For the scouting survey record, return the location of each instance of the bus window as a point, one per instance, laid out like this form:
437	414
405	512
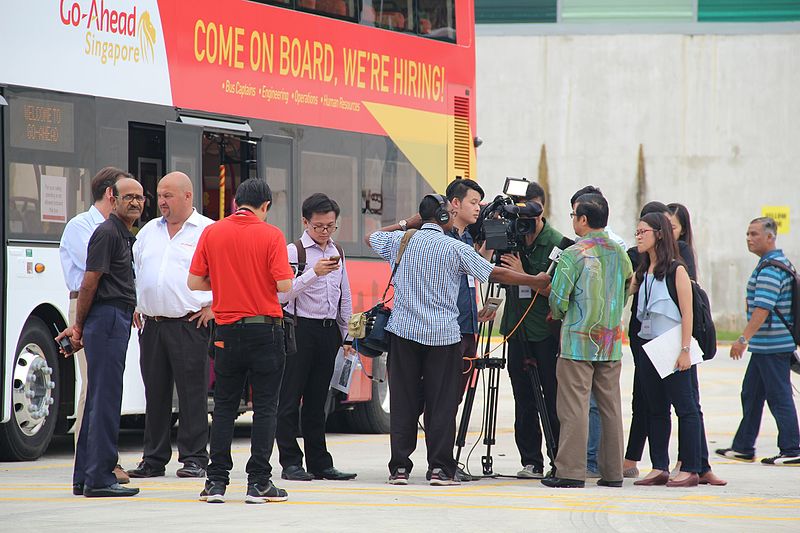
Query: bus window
329	162
392	187
437	19
42	198
337	8
397	15
49	143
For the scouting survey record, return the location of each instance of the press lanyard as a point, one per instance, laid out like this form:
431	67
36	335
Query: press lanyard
647	293
646	327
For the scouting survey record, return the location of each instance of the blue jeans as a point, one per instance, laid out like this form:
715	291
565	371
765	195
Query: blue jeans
594	435
767	378
105	335
254	352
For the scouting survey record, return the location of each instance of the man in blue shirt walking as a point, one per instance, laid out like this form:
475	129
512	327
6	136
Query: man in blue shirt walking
771	346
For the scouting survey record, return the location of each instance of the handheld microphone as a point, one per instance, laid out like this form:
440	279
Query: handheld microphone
555	253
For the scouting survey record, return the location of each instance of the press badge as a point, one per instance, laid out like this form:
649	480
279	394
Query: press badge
471	281
647	327
524	291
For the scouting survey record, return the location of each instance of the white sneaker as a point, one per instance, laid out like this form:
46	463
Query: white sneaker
531	472
782	460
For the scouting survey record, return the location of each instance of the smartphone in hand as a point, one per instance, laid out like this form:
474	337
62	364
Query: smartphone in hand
334	258
492	304
66	345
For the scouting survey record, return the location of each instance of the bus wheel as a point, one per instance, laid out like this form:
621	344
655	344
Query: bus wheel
34	395
373	416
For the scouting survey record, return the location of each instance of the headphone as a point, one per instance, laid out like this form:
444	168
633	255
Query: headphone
442	215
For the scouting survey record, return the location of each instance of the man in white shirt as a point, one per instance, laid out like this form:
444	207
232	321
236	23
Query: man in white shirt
174	332
74	242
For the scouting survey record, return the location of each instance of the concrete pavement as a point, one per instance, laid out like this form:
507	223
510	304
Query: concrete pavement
37	495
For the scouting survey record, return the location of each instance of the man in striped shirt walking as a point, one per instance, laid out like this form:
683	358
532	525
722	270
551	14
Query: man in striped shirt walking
424	349
771	346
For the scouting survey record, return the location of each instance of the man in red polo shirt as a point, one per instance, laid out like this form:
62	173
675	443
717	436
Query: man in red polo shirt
243	260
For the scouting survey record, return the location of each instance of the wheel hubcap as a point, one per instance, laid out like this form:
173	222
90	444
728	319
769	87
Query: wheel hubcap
32	389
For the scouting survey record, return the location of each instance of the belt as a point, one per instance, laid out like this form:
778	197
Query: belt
260	319
183	318
73	295
323	322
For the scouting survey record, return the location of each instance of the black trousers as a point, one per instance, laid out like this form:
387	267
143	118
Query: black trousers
105	335
256	352
307	377
680	390
438	370
527	425
175	352
639	418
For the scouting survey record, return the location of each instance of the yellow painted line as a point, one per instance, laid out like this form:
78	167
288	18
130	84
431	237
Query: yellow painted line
455	492
36	467
754	518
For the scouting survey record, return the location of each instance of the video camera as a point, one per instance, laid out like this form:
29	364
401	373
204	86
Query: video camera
504	223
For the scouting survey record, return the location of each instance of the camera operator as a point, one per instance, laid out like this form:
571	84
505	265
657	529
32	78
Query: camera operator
534	343
425	348
465	197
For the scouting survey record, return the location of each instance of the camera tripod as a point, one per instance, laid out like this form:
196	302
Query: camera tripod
494	365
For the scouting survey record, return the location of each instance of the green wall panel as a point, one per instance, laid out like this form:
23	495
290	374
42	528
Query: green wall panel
748	10
627	10
509	11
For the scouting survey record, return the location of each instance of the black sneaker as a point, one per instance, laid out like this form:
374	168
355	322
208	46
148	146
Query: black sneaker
145	470
440	478
213	492
730	453
463	477
782	460
265	492
399	477
191	469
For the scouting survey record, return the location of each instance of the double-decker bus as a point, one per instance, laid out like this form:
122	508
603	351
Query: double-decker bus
369	101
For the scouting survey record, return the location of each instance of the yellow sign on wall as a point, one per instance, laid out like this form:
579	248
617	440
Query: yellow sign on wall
780	213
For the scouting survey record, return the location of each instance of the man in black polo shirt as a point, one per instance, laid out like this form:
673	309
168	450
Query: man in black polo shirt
103	327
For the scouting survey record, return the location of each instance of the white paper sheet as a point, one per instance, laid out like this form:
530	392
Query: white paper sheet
664	350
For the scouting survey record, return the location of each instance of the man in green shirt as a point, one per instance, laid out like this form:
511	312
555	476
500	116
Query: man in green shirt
531	342
588	293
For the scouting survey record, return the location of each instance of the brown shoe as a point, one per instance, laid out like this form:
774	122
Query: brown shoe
709	478
660	479
122	476
692	481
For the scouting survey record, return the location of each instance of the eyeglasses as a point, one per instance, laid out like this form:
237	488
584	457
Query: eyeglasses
641	232
573	215
324	228
131	197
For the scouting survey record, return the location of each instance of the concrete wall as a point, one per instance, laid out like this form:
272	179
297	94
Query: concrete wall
718	116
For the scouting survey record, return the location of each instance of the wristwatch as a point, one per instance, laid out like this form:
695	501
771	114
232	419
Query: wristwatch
685	349
742	340
403	224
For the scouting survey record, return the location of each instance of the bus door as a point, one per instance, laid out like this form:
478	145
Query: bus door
184	154
276	164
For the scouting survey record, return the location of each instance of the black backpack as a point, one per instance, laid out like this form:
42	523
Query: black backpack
703	329
794	328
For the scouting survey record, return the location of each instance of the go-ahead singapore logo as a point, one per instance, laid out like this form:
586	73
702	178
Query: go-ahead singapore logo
112	36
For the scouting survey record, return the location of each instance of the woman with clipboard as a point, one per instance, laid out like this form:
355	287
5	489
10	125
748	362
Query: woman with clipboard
658	313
